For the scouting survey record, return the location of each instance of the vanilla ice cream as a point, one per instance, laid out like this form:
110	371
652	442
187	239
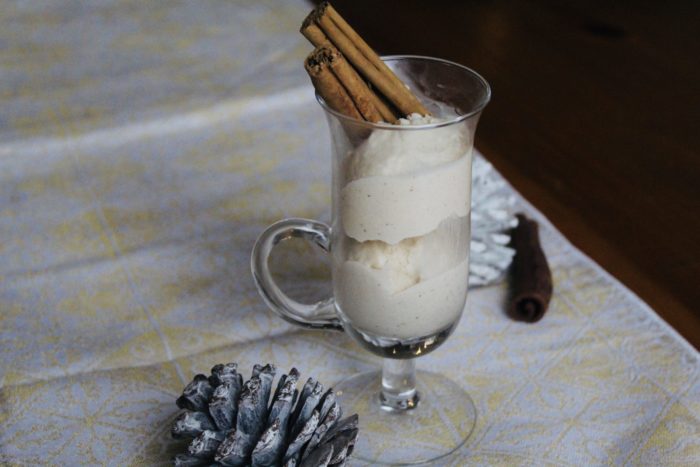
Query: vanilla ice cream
404	207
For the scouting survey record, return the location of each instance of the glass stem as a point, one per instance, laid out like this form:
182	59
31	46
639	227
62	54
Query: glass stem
399	385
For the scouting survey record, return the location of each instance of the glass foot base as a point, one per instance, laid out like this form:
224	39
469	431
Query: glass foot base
440	422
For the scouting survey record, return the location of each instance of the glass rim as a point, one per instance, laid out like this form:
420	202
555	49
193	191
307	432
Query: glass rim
390	126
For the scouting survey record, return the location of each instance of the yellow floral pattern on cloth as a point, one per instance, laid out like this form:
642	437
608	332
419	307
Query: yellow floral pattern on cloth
143	147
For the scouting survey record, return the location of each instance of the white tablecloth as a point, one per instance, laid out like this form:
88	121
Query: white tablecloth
143	146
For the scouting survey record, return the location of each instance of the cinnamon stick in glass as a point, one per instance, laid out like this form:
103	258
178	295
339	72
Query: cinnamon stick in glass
329	87
318	38
325	19
355	87
372	56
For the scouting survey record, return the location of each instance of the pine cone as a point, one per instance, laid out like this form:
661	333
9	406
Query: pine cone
237	424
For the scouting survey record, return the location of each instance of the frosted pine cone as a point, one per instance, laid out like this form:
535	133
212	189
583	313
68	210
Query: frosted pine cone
238	424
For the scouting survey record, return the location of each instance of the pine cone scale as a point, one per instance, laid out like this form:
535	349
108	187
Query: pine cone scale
236	423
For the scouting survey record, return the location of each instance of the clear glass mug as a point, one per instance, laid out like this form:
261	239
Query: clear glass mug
399	246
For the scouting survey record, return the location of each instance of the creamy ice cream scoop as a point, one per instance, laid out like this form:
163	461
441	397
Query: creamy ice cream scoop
402	184
401	152
414	259
405	214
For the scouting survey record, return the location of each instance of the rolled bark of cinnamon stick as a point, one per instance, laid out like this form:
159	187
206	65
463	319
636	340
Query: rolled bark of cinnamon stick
388	115
357	89
312	32
329	87
531	288
317	37
326	20
373	57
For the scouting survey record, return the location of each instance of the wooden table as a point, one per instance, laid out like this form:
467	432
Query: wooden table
595	118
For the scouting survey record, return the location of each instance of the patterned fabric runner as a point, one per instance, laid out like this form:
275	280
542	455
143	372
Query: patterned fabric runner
143	147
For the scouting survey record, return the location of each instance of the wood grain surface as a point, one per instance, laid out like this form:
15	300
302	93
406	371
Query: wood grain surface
595	119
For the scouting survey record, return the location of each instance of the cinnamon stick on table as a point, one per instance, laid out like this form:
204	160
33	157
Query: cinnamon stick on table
324	25
531	277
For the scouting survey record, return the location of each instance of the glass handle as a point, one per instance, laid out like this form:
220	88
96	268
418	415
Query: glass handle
320	315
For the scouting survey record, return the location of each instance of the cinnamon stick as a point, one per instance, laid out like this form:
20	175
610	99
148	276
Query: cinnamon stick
372	56
396	95
350	78
329	87
326	20
388	115
312	32
531	277
356	89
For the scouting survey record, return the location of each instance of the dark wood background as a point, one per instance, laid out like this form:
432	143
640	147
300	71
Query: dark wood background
595	119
